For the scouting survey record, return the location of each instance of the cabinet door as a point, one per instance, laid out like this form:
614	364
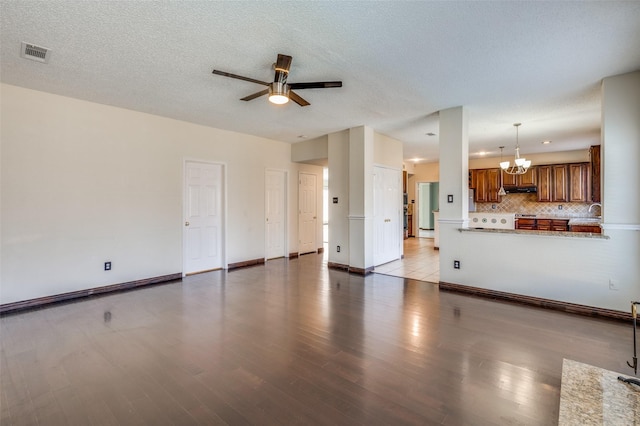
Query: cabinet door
543	224
560	182
579	183
509	180
529	224
594	153
544	183
493	185
529	178
559	225
481	186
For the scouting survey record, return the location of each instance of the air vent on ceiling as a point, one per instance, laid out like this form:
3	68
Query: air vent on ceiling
35	53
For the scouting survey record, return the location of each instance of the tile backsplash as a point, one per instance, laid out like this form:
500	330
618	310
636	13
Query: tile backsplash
528	204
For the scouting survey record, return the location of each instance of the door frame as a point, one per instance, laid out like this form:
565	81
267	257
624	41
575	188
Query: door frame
318	203
286	211
400	213
183	211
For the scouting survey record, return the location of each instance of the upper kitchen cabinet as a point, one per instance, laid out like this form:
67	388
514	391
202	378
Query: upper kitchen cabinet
579	183
544	183
527	179
487	185
594	154
560	182
564	183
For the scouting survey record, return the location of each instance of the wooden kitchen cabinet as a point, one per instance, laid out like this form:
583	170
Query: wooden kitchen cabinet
579	183
526	223
559	183
594	229
509	180
543	224
527	179
594	154
560	225
544	183
487	185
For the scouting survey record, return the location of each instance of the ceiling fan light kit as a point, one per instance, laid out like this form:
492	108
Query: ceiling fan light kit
279	91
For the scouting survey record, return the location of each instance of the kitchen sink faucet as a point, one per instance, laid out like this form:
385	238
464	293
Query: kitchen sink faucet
595	204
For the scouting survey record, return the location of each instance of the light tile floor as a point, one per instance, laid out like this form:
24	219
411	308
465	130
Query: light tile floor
421	262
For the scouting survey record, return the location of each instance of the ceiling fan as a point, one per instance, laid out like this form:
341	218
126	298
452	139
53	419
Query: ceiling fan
279	90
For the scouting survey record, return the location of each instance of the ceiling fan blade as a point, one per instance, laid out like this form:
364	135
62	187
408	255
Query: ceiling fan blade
297	99
239	77
283	63
255	95
315	85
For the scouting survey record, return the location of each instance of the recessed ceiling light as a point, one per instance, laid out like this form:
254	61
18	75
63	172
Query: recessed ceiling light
482	153
430	134
546	142
415	160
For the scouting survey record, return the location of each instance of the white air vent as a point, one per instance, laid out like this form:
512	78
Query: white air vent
35	53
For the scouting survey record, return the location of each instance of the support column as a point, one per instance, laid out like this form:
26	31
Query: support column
454	188
361	200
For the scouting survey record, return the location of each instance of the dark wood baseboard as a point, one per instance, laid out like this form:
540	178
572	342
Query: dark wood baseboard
293	255
361	271
245	263
351	269
57	298
572	308
321	250
340	266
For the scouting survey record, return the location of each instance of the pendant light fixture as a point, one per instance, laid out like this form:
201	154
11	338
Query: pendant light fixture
501	192
521	165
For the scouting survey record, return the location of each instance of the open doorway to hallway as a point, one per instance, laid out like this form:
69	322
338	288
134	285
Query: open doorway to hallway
427	201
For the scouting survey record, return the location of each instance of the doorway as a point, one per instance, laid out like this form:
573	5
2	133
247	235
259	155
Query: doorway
308	212
427	194
275	213
203	231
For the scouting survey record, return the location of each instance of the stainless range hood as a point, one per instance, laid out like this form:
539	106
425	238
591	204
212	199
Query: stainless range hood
521	189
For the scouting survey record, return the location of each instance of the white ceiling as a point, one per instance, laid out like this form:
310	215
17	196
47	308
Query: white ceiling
539	63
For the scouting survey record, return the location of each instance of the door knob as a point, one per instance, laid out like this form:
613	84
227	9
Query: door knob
314	217
186	224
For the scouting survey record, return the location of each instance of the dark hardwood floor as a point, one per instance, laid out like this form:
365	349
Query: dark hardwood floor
291	342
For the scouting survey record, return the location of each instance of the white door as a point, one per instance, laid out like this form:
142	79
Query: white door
275	208
308	213
387	208
203	231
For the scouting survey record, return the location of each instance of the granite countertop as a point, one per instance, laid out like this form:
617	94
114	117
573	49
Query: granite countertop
593	396
545	233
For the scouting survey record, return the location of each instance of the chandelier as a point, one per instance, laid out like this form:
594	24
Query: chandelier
521	165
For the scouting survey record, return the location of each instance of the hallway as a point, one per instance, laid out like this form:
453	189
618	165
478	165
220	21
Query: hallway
421	262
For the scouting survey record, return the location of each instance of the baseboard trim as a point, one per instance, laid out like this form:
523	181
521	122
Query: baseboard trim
245	263
350	269
321	250
340	266
567	307
57	298
361	271
294	255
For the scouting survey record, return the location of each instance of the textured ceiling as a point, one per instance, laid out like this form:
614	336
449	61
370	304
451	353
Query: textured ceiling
539	63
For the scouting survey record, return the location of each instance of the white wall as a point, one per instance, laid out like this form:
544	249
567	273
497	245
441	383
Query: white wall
83	183
387	151
339	187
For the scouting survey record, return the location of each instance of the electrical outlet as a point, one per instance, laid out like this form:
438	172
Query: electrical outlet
614	284
338	249
107	266
456	264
